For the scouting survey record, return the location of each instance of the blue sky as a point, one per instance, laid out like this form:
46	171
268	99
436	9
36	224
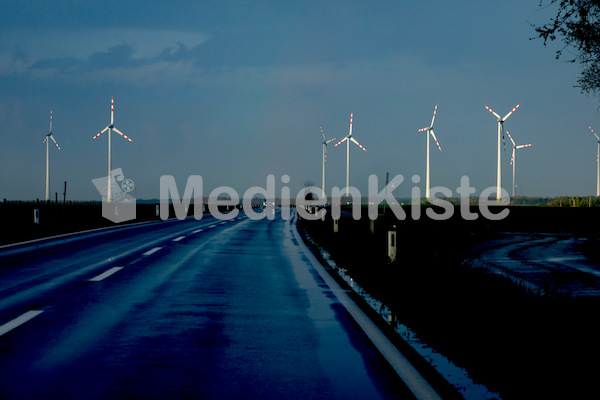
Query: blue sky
234	91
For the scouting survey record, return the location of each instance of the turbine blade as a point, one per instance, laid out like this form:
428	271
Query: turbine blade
323	134
511	139
54	140
351	113
511	111
358	144
424	129
50	121
594	132
112	110
122	134
503	142
46	138
524	145
325	155
492	111
330	140
341	141
436	141
434	111
513	156
101	132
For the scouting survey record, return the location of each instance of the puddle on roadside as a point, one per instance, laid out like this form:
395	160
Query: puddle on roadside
456	376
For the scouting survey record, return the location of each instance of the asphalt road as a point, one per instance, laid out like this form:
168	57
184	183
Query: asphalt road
180	309
551	262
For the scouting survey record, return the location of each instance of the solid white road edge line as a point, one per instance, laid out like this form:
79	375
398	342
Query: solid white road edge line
152	251
105	274
65	235
177	239
9	326
405	370
197	230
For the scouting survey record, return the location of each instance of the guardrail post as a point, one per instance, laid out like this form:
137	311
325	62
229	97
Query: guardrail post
392	244
36	216
336	225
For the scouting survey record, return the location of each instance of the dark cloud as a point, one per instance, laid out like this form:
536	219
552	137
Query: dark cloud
121	56
57	63
116	56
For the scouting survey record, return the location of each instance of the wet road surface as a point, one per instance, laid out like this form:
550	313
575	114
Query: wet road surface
180	309
550	262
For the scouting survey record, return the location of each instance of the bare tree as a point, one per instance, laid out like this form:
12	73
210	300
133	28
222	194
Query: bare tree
308	195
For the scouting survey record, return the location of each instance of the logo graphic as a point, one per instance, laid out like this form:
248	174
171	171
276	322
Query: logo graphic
120	206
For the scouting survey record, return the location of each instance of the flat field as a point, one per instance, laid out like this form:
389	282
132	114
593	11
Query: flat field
521	339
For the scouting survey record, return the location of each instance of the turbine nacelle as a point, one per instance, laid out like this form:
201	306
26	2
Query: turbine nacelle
500	121
349	139
594	133
111	126
49	134
429	129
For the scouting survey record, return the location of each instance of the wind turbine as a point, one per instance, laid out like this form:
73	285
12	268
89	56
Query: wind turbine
49	135
513	160
325	143
429	130
347	139
111	128
597	163
500	130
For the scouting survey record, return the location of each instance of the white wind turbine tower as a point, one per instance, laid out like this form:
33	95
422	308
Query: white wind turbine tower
597	163
325	143
500	129
111	128
513	160
347	139
429	130
49	135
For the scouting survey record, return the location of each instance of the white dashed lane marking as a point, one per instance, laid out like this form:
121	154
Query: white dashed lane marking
105	274
9	326
152	251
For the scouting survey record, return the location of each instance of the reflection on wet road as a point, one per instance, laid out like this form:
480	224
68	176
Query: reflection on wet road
179	309
552	263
